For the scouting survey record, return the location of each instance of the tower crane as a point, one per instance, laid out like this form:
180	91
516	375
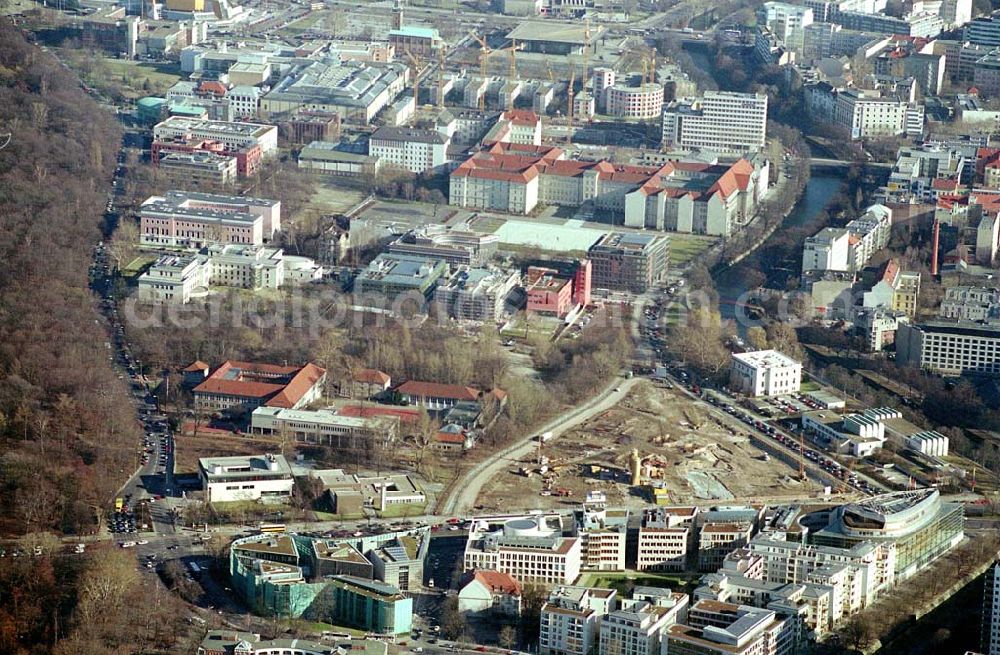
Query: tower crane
415	74
511	50
484	55
440	94
569	105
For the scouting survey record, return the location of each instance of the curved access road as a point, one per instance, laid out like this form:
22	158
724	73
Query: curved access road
467	487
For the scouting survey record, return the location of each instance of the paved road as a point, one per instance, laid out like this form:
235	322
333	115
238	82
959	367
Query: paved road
469	485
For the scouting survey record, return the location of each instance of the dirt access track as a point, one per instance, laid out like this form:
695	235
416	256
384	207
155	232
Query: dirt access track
693	456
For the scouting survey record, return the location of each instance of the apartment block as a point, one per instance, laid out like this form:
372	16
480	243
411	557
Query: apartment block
570	620
675	196
787	22
637	627
717	539
827	250
412	149
970	303
715	628
989	642
721	121
896	290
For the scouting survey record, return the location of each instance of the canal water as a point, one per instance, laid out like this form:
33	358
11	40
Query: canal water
817	195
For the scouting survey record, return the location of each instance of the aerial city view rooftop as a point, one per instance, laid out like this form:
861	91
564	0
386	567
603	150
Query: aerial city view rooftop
552	327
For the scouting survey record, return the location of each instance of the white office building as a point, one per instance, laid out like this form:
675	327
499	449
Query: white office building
175	279
721	121
234	135
666	538
765	373
245	478
787	22
412	149
950	347
529	548
868	114
826	250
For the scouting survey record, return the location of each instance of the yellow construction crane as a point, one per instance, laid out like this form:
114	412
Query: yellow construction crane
415	74
511	51
484	55
649	67
586	61
548	69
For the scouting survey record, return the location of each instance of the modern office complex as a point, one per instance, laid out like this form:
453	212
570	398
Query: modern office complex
628	261
477	294
666	538
270	573
227	479
950	347
920	525
391	277
530	548
324	426
234	136
715	628
722	121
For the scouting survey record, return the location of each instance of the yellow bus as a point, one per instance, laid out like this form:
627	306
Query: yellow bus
119	503
272	527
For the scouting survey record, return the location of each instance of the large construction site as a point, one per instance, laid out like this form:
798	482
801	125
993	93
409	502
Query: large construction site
656	446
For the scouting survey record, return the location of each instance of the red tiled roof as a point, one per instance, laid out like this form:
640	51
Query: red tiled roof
521	117
890	272
238	388
497	582
281	393
299	385
197	365
212	86
437	390
450	437
943	183
371	376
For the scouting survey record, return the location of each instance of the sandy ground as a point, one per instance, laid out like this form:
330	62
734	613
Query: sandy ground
695	458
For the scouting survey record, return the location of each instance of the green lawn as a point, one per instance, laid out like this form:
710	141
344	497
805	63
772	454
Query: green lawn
620	581
402	510
136	75
137	265
810	386
685	247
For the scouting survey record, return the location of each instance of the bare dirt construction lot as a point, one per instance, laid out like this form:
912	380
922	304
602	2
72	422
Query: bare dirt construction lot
684	449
